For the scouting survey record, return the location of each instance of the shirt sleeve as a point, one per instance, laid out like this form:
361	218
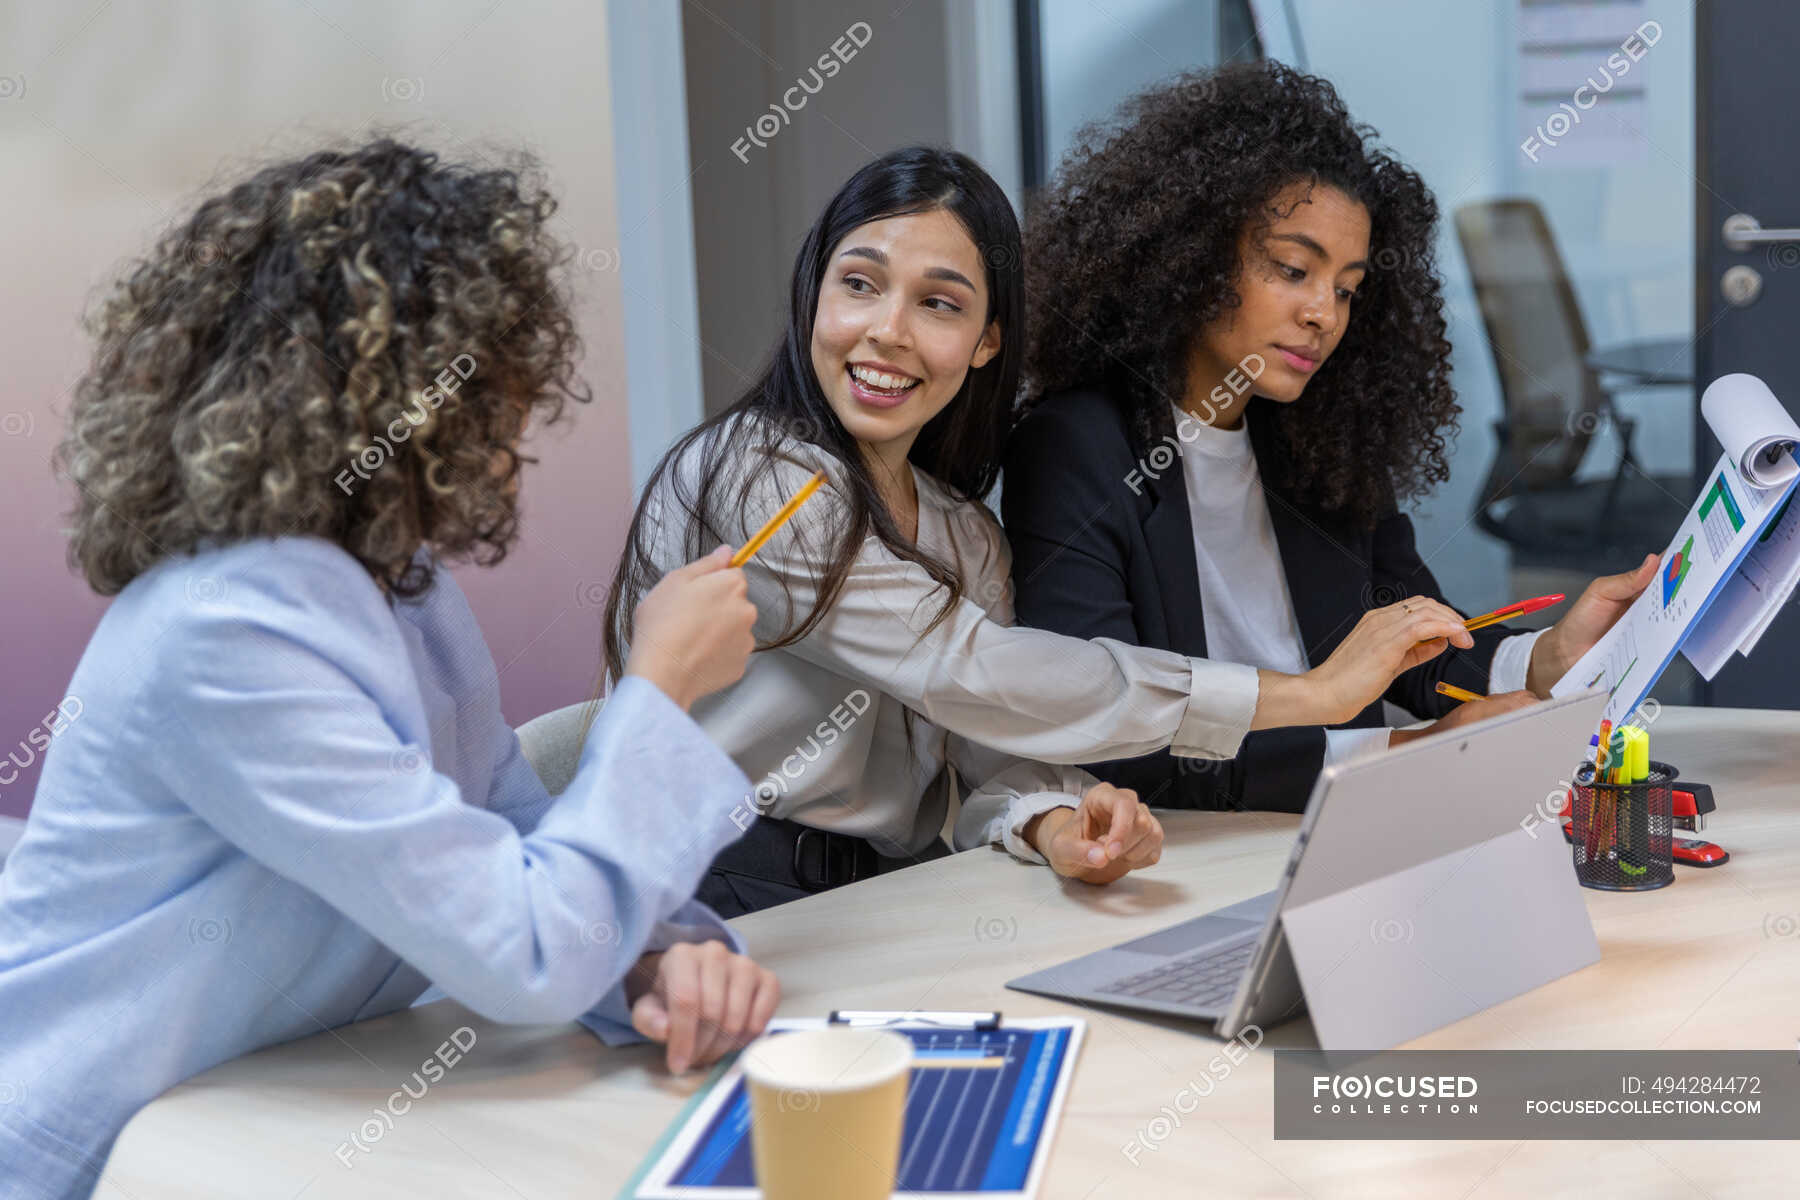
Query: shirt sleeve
1026	692
1009	791
1342	745
263	719
1512	662
520	796
516	792
999	809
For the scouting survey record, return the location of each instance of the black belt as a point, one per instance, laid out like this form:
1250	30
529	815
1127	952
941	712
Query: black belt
812	859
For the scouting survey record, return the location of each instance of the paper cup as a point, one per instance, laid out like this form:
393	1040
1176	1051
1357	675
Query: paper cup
827	1108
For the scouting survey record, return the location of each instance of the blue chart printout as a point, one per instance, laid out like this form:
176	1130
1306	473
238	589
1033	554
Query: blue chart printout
981	1109
1731	565
1720	530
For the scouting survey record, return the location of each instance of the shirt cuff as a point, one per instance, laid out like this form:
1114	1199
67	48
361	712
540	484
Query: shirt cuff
1512	662
1342	745
610	1020
1019	812
1221	704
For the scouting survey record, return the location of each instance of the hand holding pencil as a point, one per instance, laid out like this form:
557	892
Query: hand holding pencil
1471	707
693	629
691	633
1557	648
1595	611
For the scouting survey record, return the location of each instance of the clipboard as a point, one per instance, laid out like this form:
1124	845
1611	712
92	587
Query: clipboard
980	1124
1742	500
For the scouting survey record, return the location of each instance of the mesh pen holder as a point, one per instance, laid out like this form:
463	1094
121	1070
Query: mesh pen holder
1622	831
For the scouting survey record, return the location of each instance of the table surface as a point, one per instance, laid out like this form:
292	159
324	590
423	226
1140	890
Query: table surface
1711	962
1664	360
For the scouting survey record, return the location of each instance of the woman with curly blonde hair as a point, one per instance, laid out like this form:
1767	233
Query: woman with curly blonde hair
290	800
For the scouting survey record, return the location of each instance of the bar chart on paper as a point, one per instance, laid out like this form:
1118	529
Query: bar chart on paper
1719	516
1620	664
1675	571
1714	539
981	1105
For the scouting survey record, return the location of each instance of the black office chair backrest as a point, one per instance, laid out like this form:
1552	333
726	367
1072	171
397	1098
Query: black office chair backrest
1538	338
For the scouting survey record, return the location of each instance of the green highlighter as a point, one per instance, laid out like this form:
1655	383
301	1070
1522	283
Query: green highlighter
1635	769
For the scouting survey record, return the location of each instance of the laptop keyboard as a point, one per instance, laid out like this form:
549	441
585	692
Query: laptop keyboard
1201	979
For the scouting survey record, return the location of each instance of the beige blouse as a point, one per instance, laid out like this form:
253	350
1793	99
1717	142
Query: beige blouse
821	726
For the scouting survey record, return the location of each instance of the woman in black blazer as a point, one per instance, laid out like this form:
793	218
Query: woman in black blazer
1212	449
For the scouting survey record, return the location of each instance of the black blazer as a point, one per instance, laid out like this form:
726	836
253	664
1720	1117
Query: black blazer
1092	557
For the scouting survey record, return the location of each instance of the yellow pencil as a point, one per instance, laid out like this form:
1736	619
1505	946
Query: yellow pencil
1455	693
748	549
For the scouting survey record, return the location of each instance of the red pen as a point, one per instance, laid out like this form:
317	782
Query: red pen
1512	610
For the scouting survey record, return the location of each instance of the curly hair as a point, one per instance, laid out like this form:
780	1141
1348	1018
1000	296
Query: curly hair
346	345
1134	249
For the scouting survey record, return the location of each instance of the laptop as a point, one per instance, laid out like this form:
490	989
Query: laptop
1425	884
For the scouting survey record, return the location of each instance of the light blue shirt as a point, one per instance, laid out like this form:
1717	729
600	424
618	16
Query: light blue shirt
284	805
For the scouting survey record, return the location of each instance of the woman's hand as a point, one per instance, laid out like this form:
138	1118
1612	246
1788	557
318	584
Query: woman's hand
700	998
1466	713
1601	604
1106	835
691	632
1385	643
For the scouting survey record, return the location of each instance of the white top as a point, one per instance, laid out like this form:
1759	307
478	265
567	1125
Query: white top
1245	605
821	727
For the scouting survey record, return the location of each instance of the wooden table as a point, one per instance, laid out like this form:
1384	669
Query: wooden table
1709	963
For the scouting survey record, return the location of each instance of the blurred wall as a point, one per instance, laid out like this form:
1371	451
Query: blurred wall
1439	83
930	71
1097	56
116	119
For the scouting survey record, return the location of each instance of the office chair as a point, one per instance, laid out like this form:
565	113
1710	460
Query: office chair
1553	404
551	743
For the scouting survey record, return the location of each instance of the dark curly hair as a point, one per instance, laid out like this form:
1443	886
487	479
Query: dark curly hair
346	345
1135	247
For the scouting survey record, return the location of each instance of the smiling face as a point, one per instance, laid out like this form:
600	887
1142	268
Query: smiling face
1295	284
901	320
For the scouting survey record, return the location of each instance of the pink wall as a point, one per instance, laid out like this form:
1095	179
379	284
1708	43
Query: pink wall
112	125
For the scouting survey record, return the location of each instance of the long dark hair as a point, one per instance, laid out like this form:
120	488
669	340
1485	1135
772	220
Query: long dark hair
960	447
1137	241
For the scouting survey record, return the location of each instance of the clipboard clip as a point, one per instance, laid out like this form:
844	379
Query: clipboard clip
947	1020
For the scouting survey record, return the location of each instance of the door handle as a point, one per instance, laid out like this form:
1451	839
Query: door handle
1743	231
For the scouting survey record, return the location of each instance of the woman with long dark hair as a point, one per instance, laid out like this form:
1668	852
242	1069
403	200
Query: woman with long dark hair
887	667
1239	316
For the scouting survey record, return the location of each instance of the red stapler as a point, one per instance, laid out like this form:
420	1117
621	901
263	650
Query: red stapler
1689	805
1691	802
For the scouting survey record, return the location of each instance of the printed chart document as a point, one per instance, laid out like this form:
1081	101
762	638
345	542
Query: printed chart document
1746	606
1731	565
981	1108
